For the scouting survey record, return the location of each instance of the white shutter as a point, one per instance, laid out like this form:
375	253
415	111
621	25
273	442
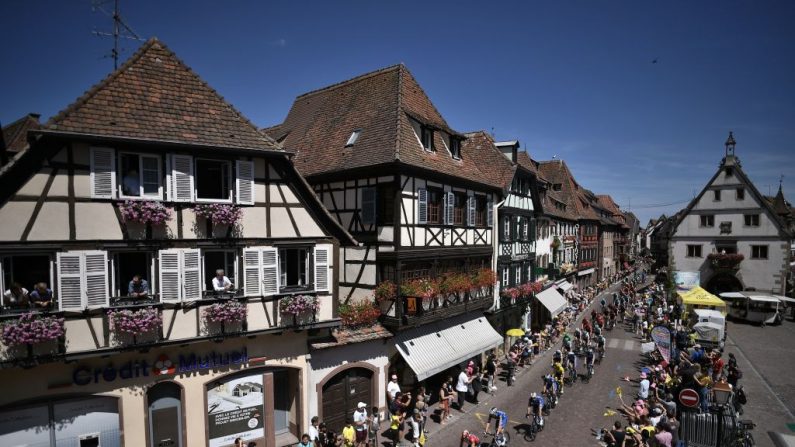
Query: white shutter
70	280
251	271
169	276
368	206
245	182
96	274
103	173
321	269
191	276
490	212
181	178
270	271
449	207
422	206
471	211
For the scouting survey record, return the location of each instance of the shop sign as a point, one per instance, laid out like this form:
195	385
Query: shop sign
235	410
163	365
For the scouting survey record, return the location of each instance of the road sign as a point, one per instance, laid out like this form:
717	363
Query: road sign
689	397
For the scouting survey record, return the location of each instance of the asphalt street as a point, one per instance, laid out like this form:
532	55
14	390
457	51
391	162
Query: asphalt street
580	411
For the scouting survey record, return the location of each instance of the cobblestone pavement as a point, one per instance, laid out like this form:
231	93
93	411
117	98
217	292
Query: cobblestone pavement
766	355
581	408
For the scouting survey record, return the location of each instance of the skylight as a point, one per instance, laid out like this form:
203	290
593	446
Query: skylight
354	136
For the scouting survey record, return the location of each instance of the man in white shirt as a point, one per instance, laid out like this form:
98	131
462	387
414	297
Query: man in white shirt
643	391
221	283
461	388
393	388
360	424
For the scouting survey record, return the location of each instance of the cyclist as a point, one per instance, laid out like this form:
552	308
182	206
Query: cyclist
557	372
499	425
589	358
567	342
469	440
550	387
557	356
535	407
571	365
600	345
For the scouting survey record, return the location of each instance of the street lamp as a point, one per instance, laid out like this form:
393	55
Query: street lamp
722	392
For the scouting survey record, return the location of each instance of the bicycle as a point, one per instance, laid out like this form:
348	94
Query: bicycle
744	438
532	429
572	376
496	441
588	373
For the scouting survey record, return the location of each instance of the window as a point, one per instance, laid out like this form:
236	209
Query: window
140	176
740	194
212	180
386	204
180	275
165	415
506	228
752	220
716	194
693	251
354	136
758	251
505	277
557	187
435	197
225	260
707	220
518	273
293	268
427	138
368	206
480	211
455	148
24	270
129	264
459	208
82	279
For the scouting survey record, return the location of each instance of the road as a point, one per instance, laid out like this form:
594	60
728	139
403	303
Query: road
766	355
581	409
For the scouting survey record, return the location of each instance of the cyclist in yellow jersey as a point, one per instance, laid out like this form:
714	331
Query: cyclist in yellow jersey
557	370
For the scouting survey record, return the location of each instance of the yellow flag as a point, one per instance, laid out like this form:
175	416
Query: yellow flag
609	413
618	390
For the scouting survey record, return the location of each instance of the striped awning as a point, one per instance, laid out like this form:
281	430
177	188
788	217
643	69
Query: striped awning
435	347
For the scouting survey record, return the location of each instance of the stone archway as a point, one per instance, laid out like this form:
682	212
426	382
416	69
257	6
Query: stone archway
724	282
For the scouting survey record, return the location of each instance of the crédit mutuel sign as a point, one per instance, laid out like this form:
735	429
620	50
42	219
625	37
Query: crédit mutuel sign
163	365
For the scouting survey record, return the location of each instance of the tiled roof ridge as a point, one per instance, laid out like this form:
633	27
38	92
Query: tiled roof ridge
399	103
405	70
349	81
150	43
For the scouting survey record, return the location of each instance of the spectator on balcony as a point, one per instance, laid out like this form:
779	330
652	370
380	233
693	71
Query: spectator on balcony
138	287
41	297
17	296
221	283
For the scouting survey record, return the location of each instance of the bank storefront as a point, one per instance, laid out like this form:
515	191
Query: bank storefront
203	394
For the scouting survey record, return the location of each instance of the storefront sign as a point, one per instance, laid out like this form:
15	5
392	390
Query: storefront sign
235	410
163	365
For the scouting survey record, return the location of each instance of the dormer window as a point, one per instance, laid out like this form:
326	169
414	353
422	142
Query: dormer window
455	148
354	136
427	138
557	186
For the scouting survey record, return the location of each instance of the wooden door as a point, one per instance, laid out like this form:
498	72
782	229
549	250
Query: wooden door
342	393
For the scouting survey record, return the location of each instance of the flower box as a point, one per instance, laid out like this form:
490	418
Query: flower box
144	212
359	315
299	308
223	217
32	334
225	317
130	326
725	260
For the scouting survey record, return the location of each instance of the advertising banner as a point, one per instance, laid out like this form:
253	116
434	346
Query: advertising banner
662	338
235	410
687	280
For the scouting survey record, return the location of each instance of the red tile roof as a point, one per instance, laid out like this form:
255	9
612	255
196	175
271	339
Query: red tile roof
557	172
154	96
16	133
607	202
382	105
492	163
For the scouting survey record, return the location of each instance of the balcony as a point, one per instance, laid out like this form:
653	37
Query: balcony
419	310
586	265
725	261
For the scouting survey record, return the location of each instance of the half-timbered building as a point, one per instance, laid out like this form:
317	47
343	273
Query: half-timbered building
389	168
152	176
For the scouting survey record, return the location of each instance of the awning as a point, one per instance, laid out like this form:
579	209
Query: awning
585	272
432	348
552	300
564	285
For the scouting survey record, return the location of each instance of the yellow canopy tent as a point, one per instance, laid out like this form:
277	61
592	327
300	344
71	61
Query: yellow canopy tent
701	299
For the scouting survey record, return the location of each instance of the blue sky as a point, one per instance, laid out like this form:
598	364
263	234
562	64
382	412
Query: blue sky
570	79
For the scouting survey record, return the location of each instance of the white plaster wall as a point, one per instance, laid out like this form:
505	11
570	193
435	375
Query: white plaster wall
13	218
52	223
96	221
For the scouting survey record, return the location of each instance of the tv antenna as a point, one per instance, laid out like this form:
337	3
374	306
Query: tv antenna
120	28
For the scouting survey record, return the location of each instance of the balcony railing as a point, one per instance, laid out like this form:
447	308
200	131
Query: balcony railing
726	261
418	310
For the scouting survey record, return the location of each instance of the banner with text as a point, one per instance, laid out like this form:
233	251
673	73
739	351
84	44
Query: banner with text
687	280
662	338
235	410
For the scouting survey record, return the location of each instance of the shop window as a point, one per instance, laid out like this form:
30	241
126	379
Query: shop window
165	415
225	260
213	180
126	265
293	267
25	270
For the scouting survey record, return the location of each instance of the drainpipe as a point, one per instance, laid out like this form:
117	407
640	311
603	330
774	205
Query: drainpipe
495	245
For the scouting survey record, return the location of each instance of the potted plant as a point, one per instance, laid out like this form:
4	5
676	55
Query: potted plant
222	217
220	317
359	315
32	330
142	215
301	308
725	260
130	325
